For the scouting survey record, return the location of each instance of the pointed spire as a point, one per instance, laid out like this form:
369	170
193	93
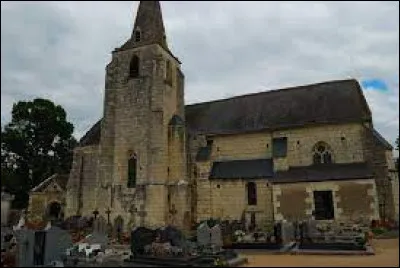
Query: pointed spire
149	25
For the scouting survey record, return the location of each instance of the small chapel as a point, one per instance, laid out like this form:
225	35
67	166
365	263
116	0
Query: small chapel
285	154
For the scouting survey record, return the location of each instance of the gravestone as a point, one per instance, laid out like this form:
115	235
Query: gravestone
42	247
216	236
203	234
287	232
175	236
25	245
99	234
141	237
100	225
311	228
57	242
118	227
278	232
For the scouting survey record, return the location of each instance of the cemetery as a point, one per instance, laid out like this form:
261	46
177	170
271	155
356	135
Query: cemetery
93	242
333	238
280	239
168	247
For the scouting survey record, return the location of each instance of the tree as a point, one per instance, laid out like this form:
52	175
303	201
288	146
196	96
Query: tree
37	143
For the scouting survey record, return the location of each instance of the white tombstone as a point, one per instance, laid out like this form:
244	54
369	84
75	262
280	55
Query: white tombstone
48	226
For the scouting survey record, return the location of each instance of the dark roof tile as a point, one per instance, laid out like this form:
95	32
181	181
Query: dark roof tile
381	140
328	172
330	102
242	169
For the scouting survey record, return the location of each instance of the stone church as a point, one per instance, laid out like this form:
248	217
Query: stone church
292	153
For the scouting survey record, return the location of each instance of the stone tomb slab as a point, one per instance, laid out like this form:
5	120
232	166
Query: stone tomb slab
316	242
284	234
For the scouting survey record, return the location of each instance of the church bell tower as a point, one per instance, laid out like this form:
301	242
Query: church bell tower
142	163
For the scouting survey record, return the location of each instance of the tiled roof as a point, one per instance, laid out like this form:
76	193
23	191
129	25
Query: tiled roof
242	169
326	172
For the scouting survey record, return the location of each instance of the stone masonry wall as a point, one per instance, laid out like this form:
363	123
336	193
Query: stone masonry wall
379	158
300	145
345	141
227	200
136	116
40	201
353	199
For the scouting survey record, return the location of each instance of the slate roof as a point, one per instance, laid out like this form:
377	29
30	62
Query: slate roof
92	137
317	173
60	179
339	101
328	102
242	169
381	140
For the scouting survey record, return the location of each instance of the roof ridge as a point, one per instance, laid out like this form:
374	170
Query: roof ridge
274	91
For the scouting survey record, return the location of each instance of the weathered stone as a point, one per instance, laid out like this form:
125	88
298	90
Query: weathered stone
144	116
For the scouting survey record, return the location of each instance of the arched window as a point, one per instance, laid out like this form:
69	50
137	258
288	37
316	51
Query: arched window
137	35
134	67
251	194
132	171
322	154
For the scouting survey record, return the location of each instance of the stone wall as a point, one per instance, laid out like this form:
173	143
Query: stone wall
39	202
345	141
381	160
395	188
227	200
137	113
82	188
352	199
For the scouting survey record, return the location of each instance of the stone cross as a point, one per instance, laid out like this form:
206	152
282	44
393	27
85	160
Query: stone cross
108	212
95	213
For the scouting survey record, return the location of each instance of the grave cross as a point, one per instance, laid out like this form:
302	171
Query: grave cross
108	212
95	213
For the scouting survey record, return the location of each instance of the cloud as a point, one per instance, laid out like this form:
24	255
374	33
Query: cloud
59	50
374	84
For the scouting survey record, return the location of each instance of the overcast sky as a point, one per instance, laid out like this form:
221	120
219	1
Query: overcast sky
59	50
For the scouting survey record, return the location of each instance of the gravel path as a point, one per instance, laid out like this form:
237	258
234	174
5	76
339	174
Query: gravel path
386	255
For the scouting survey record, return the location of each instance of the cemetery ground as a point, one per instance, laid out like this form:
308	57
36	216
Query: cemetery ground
386	255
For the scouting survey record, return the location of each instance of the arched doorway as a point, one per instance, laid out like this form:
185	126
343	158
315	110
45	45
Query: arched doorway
54	211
